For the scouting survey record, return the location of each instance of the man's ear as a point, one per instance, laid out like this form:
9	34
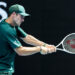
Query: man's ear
13	13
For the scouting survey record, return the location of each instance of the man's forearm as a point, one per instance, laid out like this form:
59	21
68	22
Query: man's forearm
24	51
33	41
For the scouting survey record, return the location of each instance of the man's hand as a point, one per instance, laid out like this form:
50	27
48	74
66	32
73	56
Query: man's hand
52	48
47	49
43	50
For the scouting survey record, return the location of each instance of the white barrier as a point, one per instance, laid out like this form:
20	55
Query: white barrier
3	13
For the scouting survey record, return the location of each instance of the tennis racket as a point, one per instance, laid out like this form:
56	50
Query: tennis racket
68	44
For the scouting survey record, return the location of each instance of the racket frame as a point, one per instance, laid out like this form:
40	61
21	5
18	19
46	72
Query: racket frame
61	43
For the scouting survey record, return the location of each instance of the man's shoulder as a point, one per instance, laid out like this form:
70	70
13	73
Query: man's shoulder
4	24
4	27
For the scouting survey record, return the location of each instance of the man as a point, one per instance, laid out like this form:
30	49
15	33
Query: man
10	45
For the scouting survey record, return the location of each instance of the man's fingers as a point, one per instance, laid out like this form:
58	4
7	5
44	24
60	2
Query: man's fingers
52	49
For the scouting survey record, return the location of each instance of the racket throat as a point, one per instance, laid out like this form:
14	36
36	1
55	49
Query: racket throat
60	49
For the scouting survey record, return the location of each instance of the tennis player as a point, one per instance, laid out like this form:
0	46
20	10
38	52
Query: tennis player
10	31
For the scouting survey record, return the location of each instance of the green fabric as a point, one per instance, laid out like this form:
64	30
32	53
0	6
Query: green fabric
20	32
5	73
18	9
8	42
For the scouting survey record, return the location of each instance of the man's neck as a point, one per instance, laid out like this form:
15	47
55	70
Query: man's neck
9	21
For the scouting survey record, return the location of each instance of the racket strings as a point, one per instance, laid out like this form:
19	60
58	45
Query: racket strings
69	43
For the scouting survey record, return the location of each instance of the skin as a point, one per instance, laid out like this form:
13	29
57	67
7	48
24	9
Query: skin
16	20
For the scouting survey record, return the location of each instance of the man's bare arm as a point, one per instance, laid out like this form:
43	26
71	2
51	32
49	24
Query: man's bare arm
24	51
35	42
29	39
